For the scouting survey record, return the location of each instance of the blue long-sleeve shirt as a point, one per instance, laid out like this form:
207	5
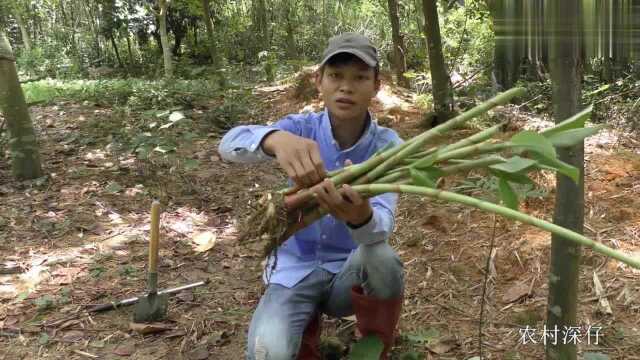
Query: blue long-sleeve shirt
328	242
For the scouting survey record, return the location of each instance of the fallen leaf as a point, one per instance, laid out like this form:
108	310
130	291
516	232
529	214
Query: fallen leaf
443	345
99	344
125	349
199	353
113	188
516	292
435	222
205	241
186	296
11	320
72	336
150	328
68	323
175	333
176	116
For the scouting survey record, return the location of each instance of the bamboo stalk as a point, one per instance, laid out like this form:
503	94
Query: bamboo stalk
376	189
420	140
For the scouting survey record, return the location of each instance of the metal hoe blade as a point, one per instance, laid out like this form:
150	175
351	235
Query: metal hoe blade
152	307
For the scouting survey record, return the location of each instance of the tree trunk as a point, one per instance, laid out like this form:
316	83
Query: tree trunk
26	41
290	29
24	150
210	34
569	208
507	52
115	49
164	38
399	62
441	83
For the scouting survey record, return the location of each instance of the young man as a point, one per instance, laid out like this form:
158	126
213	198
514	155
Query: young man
342	263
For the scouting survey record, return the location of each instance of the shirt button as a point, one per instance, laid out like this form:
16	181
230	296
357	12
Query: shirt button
337	163
324	236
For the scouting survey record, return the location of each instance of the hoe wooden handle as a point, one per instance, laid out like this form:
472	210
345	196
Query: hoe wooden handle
155	237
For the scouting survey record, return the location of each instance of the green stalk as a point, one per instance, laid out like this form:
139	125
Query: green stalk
419	141
473	164
463	152
473	139
376	189
447	170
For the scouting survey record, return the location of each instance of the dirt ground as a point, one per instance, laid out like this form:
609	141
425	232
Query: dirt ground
80	238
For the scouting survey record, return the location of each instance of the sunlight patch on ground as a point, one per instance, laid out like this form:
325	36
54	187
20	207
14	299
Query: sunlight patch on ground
39	264
389	100
95	154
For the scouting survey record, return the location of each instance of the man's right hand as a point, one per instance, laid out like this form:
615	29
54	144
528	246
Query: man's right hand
299	157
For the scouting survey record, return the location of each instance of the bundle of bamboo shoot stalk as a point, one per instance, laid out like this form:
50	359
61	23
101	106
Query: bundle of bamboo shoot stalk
415	167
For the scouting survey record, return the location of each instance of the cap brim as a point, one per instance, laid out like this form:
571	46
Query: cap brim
367	60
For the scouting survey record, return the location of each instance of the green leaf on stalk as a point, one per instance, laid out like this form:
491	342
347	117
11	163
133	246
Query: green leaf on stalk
514	165
369	347
507	195
573	137
422	178
425	162
533	141
555	164
434	173
519	178
574	122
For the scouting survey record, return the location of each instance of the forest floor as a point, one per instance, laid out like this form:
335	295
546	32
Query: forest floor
79	237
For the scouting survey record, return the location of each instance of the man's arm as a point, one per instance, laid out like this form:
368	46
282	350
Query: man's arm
298	156
381	223
242	143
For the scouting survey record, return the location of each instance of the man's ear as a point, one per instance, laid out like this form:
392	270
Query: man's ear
377	84
317	79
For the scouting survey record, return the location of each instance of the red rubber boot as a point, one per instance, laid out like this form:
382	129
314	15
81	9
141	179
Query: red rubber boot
310	344
376	317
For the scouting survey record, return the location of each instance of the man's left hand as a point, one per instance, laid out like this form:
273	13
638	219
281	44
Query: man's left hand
344	203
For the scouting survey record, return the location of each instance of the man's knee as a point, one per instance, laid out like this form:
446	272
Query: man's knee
381	255
384	271
271	343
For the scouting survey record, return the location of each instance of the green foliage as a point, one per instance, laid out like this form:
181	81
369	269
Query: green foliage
96	270
595	356
128	271
422	337
507	195
369	347
44	303
468	39
135	93
487	187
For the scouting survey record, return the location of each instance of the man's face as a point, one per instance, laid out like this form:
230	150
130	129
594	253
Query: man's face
347	89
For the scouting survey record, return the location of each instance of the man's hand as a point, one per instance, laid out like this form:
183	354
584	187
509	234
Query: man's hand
298	157
344	203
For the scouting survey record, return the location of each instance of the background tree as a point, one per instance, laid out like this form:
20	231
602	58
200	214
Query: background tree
24	150
163	6
441	83
399	62
212	45
569	206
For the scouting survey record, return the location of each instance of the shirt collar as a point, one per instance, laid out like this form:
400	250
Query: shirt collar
362	142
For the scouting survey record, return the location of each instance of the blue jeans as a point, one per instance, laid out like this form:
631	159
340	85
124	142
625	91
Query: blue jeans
283	313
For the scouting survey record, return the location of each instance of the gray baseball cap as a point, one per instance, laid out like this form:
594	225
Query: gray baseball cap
352	43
